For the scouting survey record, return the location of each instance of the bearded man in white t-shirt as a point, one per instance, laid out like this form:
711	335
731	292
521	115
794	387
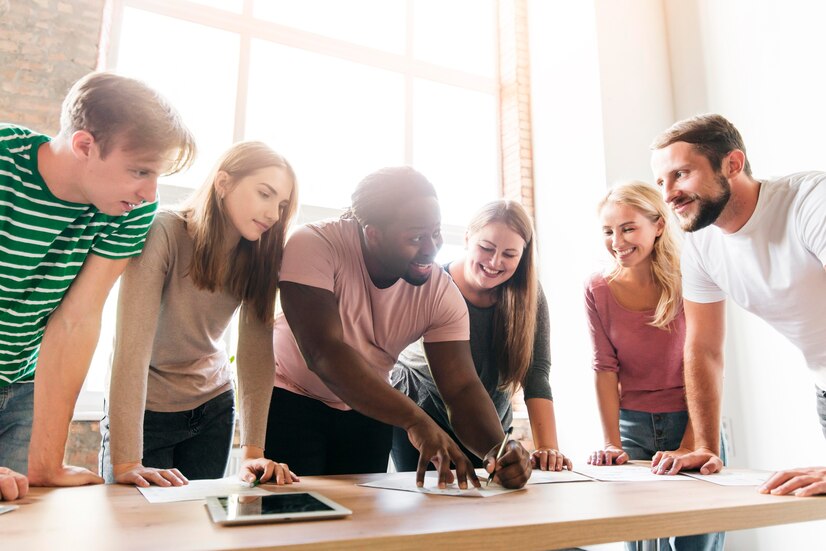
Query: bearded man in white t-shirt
761	243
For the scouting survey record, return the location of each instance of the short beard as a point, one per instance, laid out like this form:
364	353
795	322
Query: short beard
709	209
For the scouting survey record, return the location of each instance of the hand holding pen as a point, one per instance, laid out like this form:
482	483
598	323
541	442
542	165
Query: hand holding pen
512	463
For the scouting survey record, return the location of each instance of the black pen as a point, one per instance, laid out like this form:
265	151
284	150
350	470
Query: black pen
499	454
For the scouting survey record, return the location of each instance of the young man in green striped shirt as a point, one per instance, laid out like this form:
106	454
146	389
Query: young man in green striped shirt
73	210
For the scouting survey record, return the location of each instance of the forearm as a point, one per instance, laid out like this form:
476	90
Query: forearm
543	423
608	401
65	354
474	419
704	388
348	375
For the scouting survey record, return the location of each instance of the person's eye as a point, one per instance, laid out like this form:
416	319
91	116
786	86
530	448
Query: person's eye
486	249
607	233
437	234
628	230
680	173
416	239
140	173
264	194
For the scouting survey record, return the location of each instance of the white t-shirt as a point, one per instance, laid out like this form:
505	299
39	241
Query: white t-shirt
773	266
377	323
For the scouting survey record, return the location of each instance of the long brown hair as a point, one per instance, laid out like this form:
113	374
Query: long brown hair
250	273
665	258
514	318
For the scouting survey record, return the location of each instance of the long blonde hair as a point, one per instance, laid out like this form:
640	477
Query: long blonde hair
514	319
251	271
665	258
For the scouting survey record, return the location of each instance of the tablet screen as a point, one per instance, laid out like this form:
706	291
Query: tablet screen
279	504
278	507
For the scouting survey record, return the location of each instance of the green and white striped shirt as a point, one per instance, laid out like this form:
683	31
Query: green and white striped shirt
43	244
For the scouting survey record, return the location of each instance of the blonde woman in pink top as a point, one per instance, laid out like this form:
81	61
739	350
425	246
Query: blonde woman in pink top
637	326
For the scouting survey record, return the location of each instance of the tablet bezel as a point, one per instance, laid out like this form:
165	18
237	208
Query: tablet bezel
219	514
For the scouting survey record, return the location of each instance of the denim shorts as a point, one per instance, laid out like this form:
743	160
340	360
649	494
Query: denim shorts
16	413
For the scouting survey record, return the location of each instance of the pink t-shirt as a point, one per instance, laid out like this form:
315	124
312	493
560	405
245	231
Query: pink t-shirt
648	360
378	323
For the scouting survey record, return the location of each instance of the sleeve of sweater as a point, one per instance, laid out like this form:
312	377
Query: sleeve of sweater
139	304
537	379
256	371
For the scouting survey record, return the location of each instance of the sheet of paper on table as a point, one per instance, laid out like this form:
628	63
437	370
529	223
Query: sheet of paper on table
406	482
733	477
200	489
626	473
552	477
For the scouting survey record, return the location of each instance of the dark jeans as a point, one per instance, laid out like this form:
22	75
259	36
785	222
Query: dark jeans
197	442
315	439
406	457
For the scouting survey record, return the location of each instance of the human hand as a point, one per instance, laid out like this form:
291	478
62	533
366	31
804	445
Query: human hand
513	469
549	459
436	447
684	459
266	470
13	485
804	482
610	455
135	473
65	475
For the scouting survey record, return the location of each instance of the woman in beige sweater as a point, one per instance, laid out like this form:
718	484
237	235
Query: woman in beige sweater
172	397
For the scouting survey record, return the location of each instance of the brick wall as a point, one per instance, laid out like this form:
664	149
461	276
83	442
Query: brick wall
45	45
516	134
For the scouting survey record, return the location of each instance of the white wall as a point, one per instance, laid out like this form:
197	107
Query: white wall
607	77
759	63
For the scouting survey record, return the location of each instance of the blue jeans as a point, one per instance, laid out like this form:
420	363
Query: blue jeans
16	413
197	442
644	434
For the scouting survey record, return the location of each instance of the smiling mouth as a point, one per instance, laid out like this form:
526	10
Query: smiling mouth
489	272
622	253
261	225
129	206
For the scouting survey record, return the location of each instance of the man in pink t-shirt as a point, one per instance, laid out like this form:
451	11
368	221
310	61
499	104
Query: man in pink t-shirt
355	292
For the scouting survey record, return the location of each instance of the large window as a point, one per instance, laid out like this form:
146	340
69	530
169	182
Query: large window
340	87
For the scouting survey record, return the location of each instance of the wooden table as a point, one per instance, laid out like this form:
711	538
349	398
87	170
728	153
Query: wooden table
545	516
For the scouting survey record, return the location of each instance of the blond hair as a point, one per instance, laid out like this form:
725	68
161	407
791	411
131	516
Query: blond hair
665	258
116	109
251	271
514	319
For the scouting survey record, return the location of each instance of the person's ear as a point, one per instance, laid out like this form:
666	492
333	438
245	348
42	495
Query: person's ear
82	144
467	238
221	183
372	234
734	163
660	226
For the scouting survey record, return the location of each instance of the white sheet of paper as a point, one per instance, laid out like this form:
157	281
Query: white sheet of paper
626	473
200	489
406	482
551	477
734	477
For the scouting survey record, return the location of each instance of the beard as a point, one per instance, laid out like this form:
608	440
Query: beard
708	208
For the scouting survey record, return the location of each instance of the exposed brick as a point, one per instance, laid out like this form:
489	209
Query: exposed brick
45	46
